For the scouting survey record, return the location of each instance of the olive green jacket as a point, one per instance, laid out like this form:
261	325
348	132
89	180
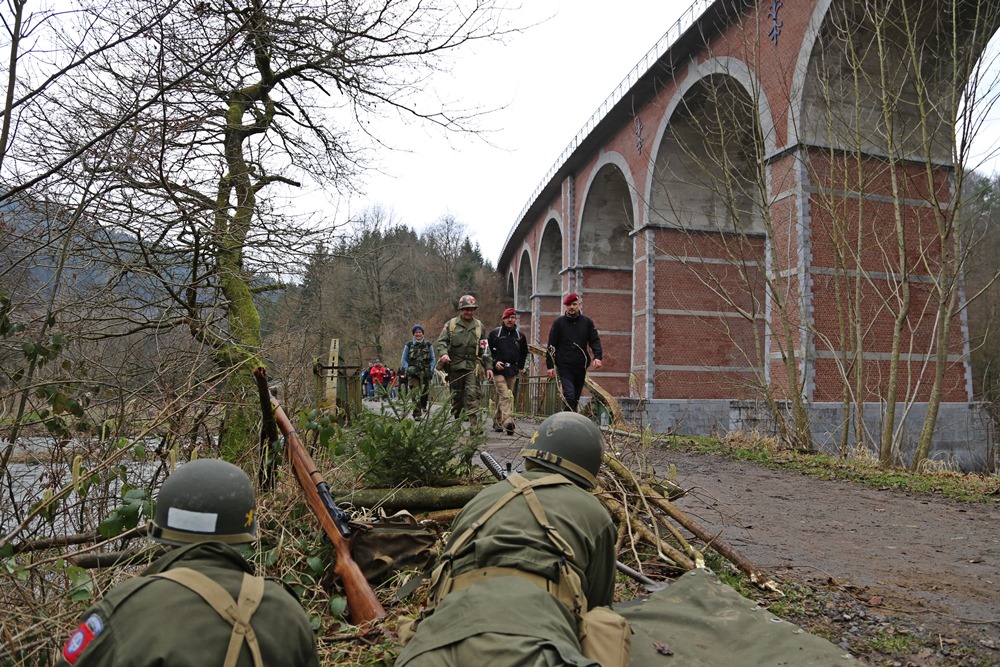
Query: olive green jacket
152	621
463	345
513	538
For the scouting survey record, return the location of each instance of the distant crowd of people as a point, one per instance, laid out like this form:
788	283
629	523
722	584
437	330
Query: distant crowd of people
466	353
377	380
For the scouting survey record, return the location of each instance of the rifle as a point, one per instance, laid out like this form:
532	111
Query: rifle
498	471
362	603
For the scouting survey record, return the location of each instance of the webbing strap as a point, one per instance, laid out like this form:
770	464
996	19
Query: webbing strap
238	614
562	591
528	492
520	486
453	322
568	589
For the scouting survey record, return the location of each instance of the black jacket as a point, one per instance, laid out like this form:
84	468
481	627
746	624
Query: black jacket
569	338
509	346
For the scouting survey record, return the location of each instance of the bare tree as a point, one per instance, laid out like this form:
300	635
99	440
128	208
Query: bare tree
204	114
908	89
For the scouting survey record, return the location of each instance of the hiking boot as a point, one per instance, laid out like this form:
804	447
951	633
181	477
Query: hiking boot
510	428
497	427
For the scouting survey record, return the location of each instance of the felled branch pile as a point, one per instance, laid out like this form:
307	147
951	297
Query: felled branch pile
646	516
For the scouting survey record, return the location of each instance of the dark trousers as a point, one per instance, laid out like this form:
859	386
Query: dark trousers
423	385
571	380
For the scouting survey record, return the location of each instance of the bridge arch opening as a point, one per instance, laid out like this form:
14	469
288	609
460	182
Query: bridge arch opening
525	289
550	259
890	86
607	221
707	174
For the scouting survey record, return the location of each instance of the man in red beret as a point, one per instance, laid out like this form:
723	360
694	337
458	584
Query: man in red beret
509	349
570	336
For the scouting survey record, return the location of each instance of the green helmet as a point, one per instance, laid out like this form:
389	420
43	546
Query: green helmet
570	444
203	501
467	301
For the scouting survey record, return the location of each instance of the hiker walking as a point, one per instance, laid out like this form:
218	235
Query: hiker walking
570	336
417	365
509	349
378	375
462	350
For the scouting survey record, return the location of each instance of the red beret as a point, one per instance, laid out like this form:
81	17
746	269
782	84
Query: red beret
509	312
570	298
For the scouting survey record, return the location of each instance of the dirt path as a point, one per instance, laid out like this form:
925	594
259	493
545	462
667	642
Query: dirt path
926	562
922	554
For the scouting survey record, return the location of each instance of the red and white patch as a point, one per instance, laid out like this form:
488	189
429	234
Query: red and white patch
82	637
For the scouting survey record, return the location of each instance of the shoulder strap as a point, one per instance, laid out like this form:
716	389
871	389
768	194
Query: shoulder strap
238	614
441	579
453	322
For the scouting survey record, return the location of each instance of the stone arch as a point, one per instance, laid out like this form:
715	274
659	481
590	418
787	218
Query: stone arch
706	220
510	293
607	217
550	258
525	287
708	150
838	94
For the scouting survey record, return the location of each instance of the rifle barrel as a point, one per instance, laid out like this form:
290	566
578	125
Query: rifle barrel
492	465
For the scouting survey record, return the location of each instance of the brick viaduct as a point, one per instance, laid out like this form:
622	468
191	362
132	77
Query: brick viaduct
748	213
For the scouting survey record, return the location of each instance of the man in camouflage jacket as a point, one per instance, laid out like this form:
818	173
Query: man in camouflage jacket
462	349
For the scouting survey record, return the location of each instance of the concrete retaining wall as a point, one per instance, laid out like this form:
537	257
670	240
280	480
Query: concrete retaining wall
964	434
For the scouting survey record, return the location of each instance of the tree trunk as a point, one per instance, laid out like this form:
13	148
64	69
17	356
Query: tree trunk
421	499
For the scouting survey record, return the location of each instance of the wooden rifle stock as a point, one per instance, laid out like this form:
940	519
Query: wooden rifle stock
362	602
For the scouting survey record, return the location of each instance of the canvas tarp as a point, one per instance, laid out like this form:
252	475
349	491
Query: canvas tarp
705	623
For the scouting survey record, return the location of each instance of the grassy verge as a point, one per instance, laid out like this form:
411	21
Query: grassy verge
958	486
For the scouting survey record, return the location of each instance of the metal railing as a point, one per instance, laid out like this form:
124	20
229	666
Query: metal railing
534	396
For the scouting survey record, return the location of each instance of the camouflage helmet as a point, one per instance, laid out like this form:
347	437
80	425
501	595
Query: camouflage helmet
205	500
467	301
570	444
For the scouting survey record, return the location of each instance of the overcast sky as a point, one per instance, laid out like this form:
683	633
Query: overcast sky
550	79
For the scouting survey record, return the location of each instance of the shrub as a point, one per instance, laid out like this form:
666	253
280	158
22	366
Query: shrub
391	449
